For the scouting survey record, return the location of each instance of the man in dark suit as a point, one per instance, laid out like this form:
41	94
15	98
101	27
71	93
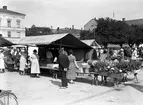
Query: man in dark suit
63	66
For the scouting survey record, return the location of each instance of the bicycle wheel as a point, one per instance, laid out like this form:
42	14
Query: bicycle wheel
1	103
8	98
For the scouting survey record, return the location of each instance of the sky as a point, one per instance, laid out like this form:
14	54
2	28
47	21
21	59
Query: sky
65	13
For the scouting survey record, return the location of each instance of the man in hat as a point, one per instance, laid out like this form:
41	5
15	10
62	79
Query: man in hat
63	65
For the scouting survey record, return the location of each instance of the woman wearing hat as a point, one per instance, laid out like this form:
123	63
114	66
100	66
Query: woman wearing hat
35	69
2	67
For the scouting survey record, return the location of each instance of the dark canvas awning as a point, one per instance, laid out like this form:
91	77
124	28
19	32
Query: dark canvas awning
4	42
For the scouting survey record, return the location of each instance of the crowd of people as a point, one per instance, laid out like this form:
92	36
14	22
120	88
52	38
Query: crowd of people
18	59
67	61
29	65
135	52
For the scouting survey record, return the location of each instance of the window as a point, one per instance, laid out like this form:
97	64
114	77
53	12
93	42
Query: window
9	34
8	23
18	34
18	23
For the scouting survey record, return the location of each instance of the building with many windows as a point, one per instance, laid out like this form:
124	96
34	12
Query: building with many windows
11	23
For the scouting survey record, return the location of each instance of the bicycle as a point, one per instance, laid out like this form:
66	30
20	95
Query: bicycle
8	98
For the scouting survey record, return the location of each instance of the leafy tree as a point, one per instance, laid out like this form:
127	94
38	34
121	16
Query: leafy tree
116	32
111	31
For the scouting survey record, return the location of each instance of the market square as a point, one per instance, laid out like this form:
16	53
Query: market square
75	52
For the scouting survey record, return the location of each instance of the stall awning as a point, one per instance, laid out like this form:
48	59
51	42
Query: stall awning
66	39
4	42
13	40
91	42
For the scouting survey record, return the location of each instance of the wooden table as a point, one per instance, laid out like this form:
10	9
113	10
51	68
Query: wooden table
50	67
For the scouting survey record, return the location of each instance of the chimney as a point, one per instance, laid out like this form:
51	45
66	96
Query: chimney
4	7
51	27
72	26
123	19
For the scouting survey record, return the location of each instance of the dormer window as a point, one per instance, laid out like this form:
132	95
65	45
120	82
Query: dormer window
18	23
8	22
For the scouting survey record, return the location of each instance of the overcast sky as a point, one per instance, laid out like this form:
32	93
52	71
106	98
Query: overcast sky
65	13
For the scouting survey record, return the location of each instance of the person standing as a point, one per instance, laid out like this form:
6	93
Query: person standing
103	56
71	72
35	69
2	67
22	64
49	56
134	54
63	65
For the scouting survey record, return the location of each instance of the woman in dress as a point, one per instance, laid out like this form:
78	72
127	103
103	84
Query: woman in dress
134	54
22	64
2	67
35	69
71	73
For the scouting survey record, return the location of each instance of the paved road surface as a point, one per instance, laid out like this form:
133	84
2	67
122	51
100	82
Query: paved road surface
46	91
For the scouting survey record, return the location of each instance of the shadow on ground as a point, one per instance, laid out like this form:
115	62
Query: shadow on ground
57	83
136	86
89	81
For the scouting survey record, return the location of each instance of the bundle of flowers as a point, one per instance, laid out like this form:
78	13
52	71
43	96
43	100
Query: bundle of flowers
128	66
124	66
100	66
134	65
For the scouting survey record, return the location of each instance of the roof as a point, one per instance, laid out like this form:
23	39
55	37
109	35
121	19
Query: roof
90	42
125	45
13	40
4	42
113	46
65	39
10	12
135	22
94	19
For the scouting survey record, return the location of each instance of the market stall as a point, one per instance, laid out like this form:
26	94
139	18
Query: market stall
52	44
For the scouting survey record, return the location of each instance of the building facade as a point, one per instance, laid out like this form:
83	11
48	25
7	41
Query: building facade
11	23
91	25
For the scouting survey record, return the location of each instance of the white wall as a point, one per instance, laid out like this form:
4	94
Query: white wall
92	24
14	28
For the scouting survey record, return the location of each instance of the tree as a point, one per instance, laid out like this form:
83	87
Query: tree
112	31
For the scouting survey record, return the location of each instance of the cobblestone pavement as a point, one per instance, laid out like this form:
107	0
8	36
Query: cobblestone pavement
46	91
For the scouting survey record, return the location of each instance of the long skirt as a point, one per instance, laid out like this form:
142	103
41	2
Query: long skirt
35	69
